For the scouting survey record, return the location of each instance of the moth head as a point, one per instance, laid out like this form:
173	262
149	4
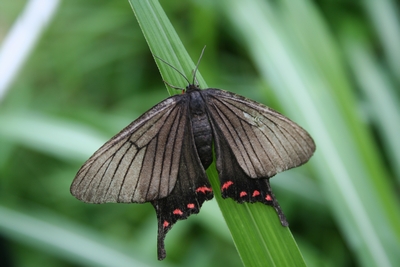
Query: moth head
192	87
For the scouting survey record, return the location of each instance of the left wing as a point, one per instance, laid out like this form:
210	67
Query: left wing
263	141
253	141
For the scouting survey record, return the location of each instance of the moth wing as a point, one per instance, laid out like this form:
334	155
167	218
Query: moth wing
263	141
140	163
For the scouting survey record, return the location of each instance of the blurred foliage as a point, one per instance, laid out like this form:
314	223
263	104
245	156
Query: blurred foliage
92	73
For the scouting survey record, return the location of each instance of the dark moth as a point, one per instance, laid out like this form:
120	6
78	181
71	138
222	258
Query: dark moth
162	156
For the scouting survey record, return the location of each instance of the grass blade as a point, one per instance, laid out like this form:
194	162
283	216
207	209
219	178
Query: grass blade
255	228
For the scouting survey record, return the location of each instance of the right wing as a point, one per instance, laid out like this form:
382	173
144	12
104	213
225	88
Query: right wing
140	163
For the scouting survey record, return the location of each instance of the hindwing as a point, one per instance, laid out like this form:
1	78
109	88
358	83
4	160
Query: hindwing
191	189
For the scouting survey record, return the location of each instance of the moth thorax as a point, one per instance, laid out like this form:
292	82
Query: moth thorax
201	128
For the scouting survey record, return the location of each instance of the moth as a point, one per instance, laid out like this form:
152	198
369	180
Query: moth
161	157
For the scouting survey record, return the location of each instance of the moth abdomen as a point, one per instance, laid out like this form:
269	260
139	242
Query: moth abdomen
201	128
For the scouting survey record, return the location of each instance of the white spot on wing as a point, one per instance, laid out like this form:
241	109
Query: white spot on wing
254	120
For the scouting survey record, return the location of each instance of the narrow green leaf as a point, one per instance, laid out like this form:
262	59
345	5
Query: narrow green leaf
255	228
379	91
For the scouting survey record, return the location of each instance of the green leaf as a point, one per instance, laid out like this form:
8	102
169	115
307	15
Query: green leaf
256	230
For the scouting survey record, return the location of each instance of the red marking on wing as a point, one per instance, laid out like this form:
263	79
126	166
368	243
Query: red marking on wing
268	198
190	206
203	189
256	193
165	224
243	194
177	212
226	185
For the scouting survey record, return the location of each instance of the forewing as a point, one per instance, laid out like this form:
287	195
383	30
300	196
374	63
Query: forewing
140	163
191	189
263	141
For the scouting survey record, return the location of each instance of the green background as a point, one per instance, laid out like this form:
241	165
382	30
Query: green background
331	66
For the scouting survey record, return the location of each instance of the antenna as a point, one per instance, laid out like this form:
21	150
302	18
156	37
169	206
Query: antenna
197	65
178	71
